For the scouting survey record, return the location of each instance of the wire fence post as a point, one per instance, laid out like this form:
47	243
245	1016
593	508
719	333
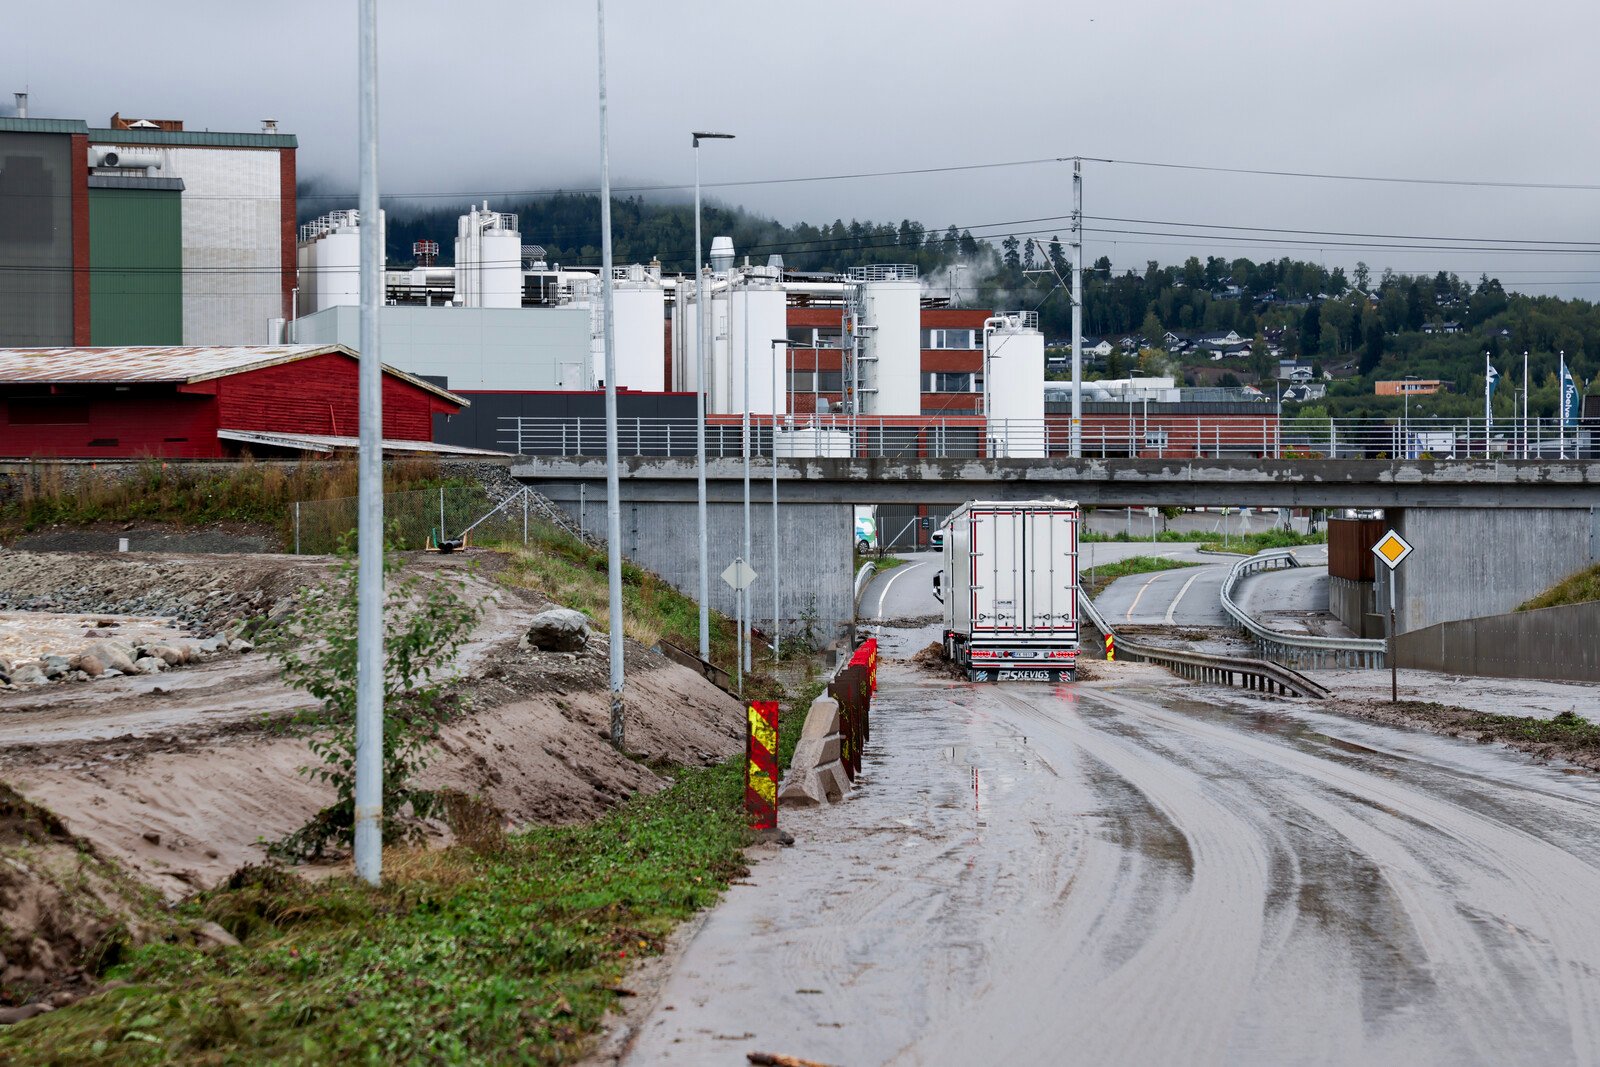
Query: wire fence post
524	517
441	514
297	527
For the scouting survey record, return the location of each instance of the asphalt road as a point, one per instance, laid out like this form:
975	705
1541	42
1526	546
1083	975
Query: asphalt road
906	591
1138	870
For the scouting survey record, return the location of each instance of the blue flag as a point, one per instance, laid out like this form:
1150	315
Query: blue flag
1571	398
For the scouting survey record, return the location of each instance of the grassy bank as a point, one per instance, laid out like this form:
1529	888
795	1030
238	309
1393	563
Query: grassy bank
883	563
1580	587
573	573
248	492
460	957
1096	579
1248	542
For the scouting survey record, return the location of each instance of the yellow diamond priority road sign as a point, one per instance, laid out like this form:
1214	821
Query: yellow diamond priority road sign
1391	549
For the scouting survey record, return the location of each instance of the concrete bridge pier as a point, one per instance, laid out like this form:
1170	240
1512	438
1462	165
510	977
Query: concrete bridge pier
815	549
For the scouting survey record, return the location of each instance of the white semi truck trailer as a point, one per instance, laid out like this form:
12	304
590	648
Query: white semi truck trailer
1010	590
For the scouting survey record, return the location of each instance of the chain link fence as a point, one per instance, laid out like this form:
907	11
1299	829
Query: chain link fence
418	519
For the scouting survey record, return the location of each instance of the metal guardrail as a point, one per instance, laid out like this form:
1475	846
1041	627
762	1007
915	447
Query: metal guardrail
1295	648
1261	676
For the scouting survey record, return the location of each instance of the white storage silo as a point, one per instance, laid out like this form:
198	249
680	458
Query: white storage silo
637	330
329	256
891	346
1014	358
488	259
758	314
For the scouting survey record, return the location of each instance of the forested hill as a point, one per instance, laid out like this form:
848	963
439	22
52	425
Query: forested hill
1359	327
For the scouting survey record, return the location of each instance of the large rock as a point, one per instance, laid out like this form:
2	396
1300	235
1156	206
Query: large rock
113	658
149	665
559	630
55	666
28	674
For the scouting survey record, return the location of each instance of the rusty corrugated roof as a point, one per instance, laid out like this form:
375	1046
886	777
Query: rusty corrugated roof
184	364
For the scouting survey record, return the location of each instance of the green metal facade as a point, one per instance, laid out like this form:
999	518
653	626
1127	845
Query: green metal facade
135	267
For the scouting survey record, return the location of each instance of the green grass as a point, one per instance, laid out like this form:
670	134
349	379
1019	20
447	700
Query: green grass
573	573
1566	728
1250	544
1273	538
459	957
1096	579
1576	589
883	563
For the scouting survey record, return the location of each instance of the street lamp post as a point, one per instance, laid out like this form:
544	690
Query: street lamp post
700	399
745	627
777	635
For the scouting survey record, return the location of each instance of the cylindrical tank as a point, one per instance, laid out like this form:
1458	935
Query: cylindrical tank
337	267
488	259
1015	387
722	254
637	319
891	348
758	313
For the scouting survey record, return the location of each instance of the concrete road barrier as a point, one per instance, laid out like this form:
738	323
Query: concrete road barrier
816	772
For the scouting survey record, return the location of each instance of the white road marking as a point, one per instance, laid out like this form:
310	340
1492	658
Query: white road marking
1198	571
895	578
1128	615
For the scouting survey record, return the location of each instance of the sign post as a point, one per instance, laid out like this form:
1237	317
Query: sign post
739	575
1391	549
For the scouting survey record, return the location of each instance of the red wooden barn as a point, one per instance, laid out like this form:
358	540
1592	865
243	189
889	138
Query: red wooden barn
203	402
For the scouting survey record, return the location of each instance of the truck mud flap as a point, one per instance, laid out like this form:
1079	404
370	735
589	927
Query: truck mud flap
1020	674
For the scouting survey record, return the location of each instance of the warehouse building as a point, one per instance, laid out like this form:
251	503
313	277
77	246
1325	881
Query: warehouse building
204	403
143	233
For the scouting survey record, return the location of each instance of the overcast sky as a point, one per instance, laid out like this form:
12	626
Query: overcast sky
480	96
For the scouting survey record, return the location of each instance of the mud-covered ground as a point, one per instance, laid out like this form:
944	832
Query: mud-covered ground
179	778
1144	870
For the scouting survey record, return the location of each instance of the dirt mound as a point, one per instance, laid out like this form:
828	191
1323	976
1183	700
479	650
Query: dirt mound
931	659
65	913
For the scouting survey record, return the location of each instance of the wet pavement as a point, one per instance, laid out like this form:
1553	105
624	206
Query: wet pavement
1138	870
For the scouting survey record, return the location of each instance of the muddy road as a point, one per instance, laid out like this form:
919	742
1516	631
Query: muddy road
1133	870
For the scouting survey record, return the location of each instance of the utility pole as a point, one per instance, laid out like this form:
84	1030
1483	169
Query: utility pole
1075	439
369	537
613	490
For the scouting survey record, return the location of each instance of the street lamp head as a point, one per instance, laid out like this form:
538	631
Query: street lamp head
703	135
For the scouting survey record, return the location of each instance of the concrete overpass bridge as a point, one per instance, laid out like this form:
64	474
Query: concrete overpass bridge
1488	533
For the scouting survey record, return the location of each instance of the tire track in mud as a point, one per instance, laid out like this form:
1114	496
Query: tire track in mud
1126	872
1455	875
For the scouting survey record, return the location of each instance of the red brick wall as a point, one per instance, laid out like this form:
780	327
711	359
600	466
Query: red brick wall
321	395
289	264
79	176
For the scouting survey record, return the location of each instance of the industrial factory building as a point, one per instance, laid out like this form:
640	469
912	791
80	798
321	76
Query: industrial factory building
143	233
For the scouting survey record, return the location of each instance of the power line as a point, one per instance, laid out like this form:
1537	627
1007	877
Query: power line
1474	183
1337	233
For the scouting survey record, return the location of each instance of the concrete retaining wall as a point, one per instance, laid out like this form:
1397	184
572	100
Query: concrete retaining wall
1469	563
815	550
1552	643
1352	603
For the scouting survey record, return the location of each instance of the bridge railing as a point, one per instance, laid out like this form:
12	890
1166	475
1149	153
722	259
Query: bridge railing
1157	436
1285	647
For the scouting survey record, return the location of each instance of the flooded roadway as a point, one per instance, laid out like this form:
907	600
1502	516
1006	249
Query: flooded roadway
1132	871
